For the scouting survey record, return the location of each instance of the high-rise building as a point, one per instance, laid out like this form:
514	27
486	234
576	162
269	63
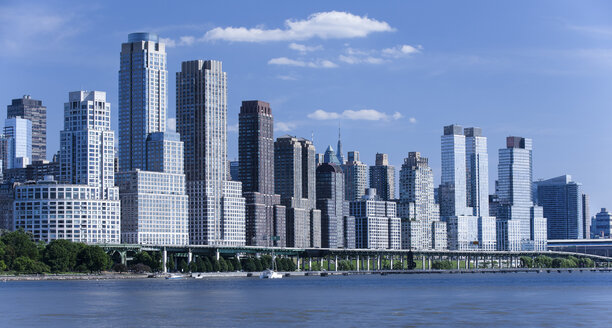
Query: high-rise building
376	223
330	201
520	224
586	217
417	207
143	86
216	205
355	177
34	111
561	199
330	156
19	132
151	175
265	217
382	177
602	225
464	203
294	181
85	206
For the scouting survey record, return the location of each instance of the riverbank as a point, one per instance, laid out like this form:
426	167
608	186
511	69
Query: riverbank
238	274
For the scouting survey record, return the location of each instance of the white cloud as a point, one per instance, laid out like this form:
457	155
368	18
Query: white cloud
359	60
284	126
182	41
287	77
232	128
323	25
412	120
362	114
401	51
300	63
304	48
171	124
320	114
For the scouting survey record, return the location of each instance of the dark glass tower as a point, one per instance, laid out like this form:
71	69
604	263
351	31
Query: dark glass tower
34	111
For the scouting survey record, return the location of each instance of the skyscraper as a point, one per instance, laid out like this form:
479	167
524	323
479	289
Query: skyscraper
216	205
417	207
561	199
330	157
382	177
265	217
586	217
294	181
330	201
151	176
520	224
34	111
339	153
603	224
84	207
19	132
464	202
143	86
355	177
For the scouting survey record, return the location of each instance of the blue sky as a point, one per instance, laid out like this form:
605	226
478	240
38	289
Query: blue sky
392	74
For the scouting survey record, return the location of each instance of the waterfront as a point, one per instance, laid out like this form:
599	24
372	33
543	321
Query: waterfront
526	299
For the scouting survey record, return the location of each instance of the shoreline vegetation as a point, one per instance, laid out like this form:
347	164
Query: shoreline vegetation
21	258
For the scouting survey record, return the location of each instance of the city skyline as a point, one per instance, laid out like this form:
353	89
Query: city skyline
431	74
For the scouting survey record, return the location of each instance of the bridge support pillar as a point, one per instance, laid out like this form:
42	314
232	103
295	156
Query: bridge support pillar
423	264
310	264
429	259
357	262
467	263
321	263
123	258
217	254
458	262
378	263
402	261
368	265
336	263
391	261
164	260
189	256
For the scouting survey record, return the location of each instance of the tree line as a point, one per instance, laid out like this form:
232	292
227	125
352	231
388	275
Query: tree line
20	254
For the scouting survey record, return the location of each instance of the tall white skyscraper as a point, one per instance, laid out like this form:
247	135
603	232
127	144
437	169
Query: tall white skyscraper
355	177
464	203
521	225
151	177
216	205
85	206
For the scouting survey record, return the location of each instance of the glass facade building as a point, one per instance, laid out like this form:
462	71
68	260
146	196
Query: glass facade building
19	132
382	177
561	199
520	224
34	111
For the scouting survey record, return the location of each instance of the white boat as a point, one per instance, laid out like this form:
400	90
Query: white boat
270	274
174	276
197	275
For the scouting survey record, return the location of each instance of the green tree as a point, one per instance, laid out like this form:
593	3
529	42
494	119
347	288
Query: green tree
25	264
222	264
249	264
18	244
216	267
230	266
3	266
258	265
586	262
200	267
61	255
289	264
170	263
93	259
266	261
183	266
193	267
526	262
119	267
237	264
442	265
543	261
207	265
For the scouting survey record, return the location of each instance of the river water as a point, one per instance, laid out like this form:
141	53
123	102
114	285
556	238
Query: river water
510	299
